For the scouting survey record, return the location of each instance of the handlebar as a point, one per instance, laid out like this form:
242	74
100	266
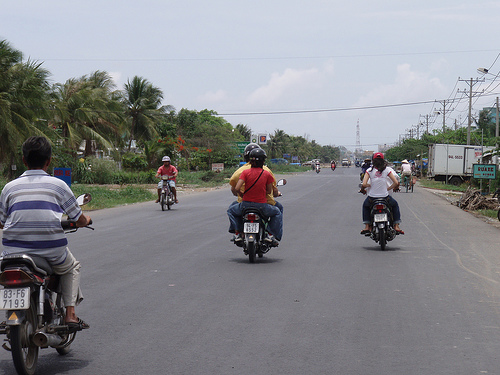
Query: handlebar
70	226
165	177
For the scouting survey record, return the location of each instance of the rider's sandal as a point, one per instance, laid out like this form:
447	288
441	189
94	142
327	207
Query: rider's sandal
399	231
365	231
77	326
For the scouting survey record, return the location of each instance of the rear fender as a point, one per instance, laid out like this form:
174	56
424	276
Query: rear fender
15	317
250	237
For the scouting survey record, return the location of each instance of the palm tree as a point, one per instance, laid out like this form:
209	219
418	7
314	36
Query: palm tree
143	109
86	109
245	131
23	93
278	143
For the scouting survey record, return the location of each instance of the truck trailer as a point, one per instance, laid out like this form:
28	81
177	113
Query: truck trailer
453	163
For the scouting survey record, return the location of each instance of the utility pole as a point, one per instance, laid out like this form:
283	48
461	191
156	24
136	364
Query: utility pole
426	123
444	114
496	135
471	84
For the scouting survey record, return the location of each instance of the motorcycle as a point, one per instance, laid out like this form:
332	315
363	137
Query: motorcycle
317	168
31	297
254	231
381	218
167	196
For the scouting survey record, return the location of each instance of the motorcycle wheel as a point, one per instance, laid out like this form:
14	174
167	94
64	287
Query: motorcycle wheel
170	200
251	251
162	201
382	239
498	215
24	351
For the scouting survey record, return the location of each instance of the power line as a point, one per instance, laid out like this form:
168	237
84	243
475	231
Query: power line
253	58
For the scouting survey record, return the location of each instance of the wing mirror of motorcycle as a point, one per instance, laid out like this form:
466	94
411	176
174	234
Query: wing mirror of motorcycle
83	199
281	182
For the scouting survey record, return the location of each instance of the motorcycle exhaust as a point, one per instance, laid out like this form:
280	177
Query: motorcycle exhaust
44	340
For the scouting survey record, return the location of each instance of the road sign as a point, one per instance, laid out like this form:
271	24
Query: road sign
485	171
241	146
63	174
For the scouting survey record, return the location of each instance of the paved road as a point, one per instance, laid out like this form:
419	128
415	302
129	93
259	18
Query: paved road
167	293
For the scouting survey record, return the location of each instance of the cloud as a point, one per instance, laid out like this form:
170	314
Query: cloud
211	97
284	84
408	86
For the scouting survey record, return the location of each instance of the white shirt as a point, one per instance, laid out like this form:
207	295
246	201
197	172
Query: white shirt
406	168
378	182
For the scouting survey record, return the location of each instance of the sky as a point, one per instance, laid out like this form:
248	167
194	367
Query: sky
313	68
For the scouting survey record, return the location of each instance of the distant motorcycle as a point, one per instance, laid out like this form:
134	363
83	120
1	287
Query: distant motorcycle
167	196
31	297
317	168
254	231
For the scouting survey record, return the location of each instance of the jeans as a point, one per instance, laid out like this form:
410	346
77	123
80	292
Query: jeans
367	205
235	215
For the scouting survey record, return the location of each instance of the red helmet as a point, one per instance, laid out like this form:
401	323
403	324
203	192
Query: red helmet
378	155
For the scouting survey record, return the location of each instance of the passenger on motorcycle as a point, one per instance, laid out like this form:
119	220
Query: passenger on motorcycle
258	184
168	170
236	176
377	179
31	208
366	164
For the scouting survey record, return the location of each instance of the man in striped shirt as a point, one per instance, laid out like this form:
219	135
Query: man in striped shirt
31	208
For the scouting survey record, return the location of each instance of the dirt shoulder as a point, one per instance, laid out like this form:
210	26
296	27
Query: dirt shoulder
454	196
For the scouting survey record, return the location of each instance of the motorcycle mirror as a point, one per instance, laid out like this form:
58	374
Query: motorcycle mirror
83	199
281	182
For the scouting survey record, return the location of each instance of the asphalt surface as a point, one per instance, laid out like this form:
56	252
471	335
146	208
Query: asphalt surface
167	293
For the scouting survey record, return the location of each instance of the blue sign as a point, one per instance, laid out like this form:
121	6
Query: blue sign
486	171
63	174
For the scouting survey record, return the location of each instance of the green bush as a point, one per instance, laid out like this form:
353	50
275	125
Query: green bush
135	162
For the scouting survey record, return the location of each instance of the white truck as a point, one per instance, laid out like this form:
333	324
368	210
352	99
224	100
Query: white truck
453	163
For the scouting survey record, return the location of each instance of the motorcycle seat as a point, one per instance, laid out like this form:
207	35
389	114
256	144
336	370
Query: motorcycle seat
38	264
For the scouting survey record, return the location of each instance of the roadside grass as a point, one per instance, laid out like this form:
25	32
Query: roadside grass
431	184
488	213
104	196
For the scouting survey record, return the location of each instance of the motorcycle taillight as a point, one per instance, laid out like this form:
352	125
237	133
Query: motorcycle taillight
15	278
251	217
379	207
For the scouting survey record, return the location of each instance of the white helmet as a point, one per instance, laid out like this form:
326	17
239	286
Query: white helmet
165	158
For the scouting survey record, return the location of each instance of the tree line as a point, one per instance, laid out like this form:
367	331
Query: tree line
413	148
89	113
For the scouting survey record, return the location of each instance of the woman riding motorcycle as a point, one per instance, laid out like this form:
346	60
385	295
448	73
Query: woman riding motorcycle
376	178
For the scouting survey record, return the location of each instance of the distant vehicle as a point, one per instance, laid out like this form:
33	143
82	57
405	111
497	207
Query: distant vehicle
346	162
279	161
453	163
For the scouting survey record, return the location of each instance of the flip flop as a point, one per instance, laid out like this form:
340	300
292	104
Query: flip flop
176	201
399	231
77	326
365	231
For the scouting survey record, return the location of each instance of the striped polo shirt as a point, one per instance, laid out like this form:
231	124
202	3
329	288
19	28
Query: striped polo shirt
31	208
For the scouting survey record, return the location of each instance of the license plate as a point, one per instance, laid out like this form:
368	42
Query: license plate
380	217
15	299
251	228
